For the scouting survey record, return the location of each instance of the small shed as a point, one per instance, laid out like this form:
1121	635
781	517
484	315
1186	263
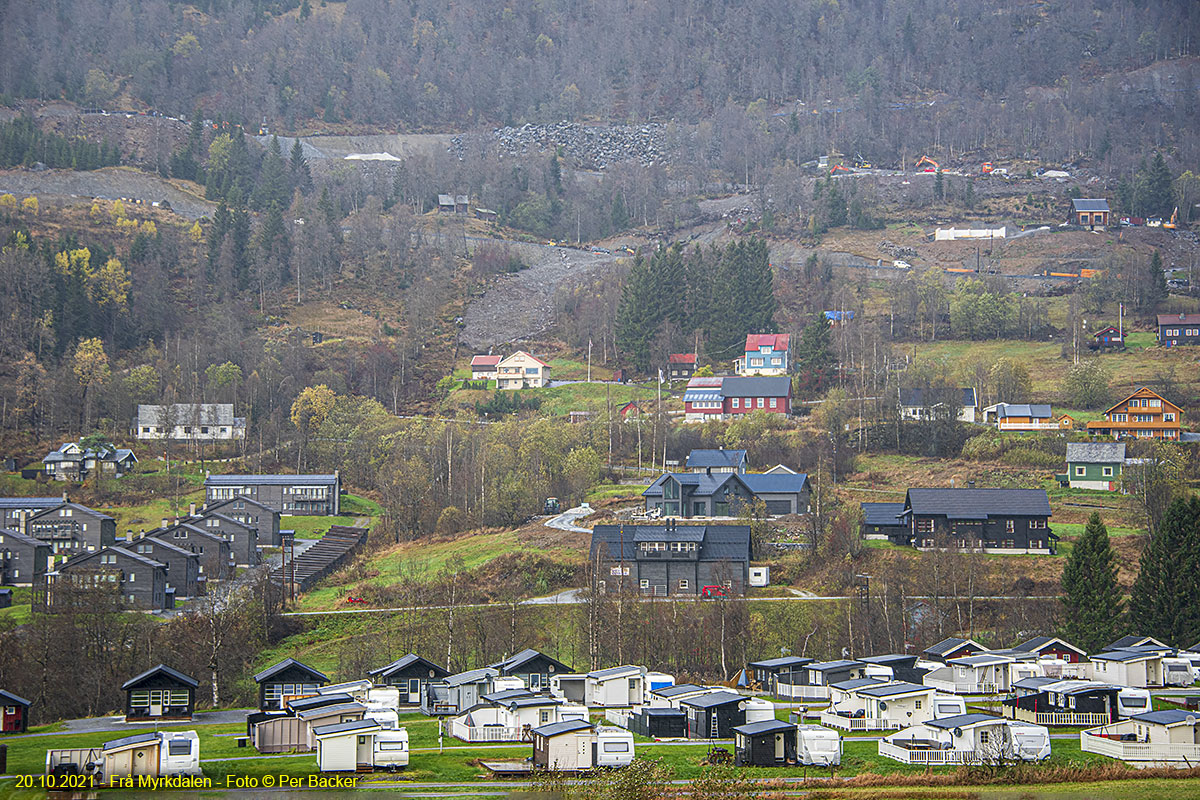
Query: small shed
769	743
714	715
276	732
445	204
14	713
565	746
347	746
328	715
5	598
659	723
410	673
139	754
287	679
1090	213
160	693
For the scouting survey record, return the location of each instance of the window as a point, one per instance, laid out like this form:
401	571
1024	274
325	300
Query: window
1155	402
1120	417
382	746
132	577
983	737
1035	544
1107	472
1080	472
1168	416
735	402
179	747
1008	544
760	402
918	705
774	402
925	525
1009	525
644	584
683	585
1037	524
756	362
616	747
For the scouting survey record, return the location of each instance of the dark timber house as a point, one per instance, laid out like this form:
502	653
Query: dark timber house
532	667
289	678
160	693
23	559
994	520
769	743
318	495
714	715
672	560
263	518
411	674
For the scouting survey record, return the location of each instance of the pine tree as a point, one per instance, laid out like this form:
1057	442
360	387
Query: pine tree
637	320
1157	291
814	358
1092	600
298	167
1166	595
272	190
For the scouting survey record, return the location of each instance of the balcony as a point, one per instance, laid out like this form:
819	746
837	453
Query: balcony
1114	745
920	751
1049	718
795	691
489	733
835	720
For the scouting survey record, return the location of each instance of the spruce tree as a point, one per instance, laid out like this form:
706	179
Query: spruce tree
815	358
637	320
298	166
1092	600
1166	595
1157	284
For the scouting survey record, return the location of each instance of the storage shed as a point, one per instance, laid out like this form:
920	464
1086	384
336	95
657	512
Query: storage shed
133	755
347	746
659	723
160	693
564	746
14	713
769	743
714	715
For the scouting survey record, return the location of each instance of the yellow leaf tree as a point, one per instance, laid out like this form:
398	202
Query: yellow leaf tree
309	410
90	364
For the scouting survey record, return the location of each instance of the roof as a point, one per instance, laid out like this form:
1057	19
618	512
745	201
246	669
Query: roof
962	720
129	741
888	658
358	726
702	459
1178	319
531	701
775	483
894	689
1173	716
485	361
764	726
29	502
718	698
757	386
882	513
155	542
21	538
1133	640
164	670
1102	331
1140	391
615	672
646	711
678	689
775	341
1031	410
317	712
857	683
717	542
407	661
121	551
915	397
517	660
827	666
1090	205
978	503
74	506
1039	643
184	413
1125	655
527	355
566	726
445	200
1077	686
951	644
981	660
785	661
1096	452
472	676
14	699
261	480
319	701
505	694
287	663
681	358
1034	683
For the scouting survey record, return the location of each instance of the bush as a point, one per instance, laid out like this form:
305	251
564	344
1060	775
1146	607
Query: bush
451	520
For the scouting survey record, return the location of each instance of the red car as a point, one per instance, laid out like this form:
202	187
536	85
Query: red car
713	591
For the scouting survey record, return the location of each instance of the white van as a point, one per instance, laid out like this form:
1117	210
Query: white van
391	749
612	747
818	746
1030	742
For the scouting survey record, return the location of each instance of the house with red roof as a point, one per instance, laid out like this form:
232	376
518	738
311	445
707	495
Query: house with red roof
483	368
766	354
522	370
681	366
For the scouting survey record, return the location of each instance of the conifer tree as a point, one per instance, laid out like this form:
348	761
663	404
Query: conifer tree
1166	595
815	358
298	166
637	321
1092	600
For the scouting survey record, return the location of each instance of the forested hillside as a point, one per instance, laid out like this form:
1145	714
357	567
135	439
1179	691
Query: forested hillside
881	77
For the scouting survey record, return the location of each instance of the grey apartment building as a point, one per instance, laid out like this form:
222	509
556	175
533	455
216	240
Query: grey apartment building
300	495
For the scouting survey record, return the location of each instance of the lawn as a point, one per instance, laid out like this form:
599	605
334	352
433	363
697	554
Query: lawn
560	400
313	527
151	514
608	491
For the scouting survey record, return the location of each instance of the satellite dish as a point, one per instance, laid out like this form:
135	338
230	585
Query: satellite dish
882	705
1191	719
958	732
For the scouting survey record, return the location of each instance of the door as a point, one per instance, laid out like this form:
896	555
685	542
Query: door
535	681
583	751
364	752
779	747
414	690
145	761
157	701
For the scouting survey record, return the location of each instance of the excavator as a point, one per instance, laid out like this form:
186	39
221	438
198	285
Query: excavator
1174	221
933	166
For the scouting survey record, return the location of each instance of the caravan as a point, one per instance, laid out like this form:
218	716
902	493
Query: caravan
818	746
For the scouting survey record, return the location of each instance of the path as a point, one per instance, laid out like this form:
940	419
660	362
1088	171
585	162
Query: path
566	520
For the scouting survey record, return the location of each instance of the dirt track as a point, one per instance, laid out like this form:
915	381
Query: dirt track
112	182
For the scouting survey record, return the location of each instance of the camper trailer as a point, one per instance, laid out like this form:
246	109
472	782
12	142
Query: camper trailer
360	746
1132	701
818	746
162	755
612	747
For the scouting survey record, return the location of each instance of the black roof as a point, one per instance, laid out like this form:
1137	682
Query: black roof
717	542
893	689
882	513
959	720
1036	644
677	689
566	726
764	726
713	699
129	741
1172	716
161	669
518	660
287	663
978	503
831	666
1133	640
781	663
646	711
346	727
888	659
319	701
701	459
13	699
951	644
408	661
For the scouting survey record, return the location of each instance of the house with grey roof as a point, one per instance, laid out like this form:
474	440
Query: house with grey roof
299	495
72	462
533	667
15	510
717	461
138	581
242	536
882	520
671	560
725	494
70	528
1094	465
923	403
1024	417
182	566
992	520
411	674
215	559
879	706
1167	738
23	559
189	422
1090	213
260	516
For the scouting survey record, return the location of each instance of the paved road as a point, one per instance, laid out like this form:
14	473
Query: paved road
566	520
119	725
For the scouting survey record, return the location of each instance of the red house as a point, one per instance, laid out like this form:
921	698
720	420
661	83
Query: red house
953	647
14	713
1108	337
1052	647
725	397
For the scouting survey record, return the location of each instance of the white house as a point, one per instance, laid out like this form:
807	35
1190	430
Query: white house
967	739
1139	667
923	403
346	746
672	696
813	681
522	371
563	746
979	674
1168	738
615	686
512	717
197	422
879	706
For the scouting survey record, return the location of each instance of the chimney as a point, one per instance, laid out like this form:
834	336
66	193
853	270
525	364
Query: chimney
65	498
970	484
191	509
164	522
129	534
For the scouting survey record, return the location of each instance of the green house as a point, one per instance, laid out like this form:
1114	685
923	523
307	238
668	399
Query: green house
1094	465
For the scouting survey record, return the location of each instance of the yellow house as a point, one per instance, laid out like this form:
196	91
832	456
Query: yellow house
522	371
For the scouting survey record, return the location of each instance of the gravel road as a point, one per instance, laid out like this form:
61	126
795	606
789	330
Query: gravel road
111	182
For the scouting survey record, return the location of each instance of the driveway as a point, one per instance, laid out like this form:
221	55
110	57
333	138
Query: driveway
566	520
